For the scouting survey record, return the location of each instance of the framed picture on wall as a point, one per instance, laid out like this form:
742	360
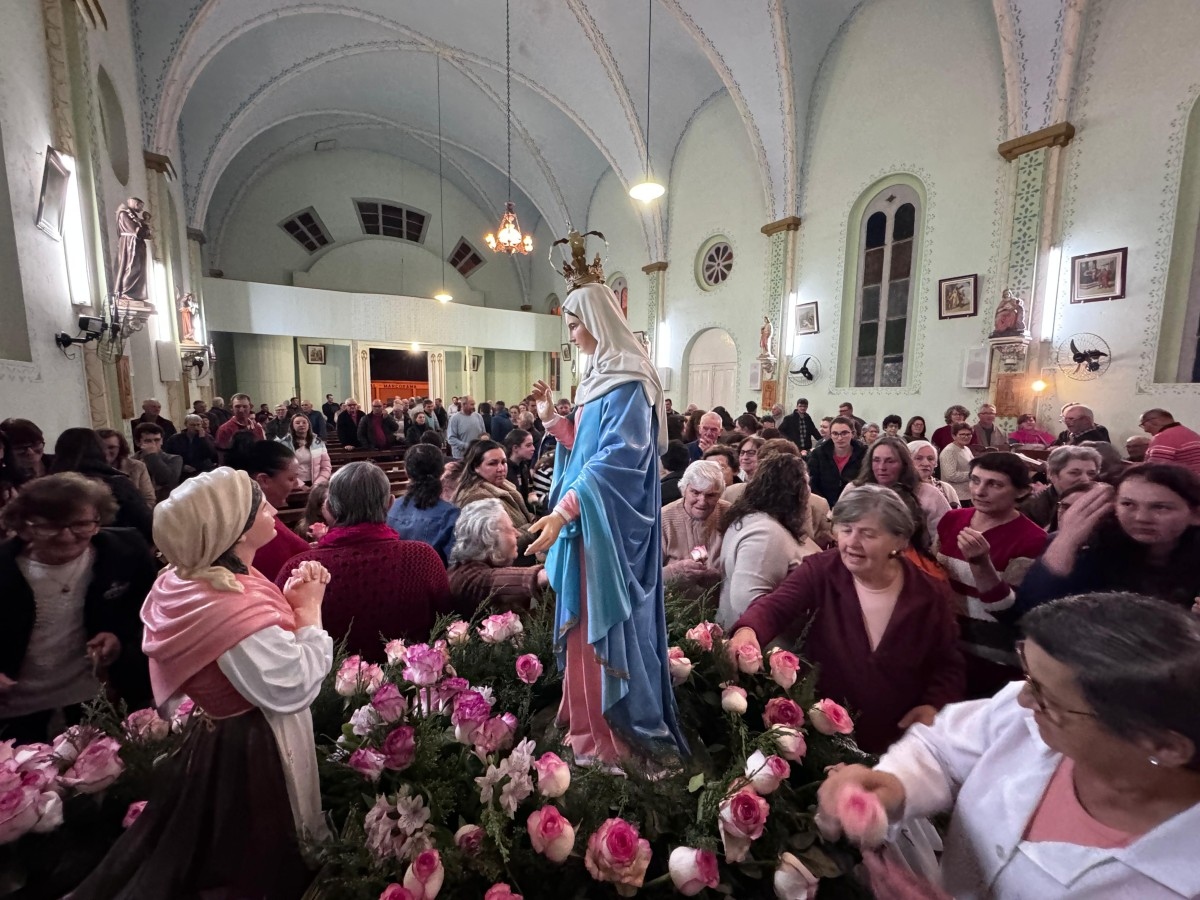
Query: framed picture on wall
807	320
315	354
1098	276
566	352
958	297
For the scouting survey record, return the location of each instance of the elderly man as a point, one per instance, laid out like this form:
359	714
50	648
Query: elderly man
1170	442
243	420
315	419
197	449
347	424
799	428
276	428
218	415
379	584
464	426
1065	467
1136	446
377	431
150	415
691	538
985	435
707	435
1081	426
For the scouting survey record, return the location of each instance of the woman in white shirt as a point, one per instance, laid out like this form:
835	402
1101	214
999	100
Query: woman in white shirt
311	452
1084	781
955	462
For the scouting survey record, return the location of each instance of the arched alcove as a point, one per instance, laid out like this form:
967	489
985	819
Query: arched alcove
112	122
711	366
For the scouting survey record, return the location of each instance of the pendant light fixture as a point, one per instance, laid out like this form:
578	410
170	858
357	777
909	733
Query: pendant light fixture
508	237
442	296
648	189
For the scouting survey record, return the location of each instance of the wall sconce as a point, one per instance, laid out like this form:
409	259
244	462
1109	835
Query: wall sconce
93	329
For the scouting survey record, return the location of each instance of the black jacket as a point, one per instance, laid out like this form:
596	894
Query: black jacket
801	430
122	575
823	472
347	428
167	426
366	432
132	509
199	453
670	487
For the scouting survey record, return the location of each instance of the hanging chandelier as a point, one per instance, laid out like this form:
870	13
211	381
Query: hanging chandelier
648	189
508	237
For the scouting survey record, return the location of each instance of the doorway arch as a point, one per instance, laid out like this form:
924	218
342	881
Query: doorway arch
711	365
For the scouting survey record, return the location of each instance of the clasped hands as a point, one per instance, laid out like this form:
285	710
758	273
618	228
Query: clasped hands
305	590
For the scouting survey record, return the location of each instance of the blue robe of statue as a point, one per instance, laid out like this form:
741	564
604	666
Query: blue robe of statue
613	469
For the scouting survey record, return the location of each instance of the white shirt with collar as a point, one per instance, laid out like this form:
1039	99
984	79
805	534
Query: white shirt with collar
985	760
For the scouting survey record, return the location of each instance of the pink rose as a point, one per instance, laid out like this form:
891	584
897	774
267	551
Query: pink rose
554	776
96	767
425	665
766	773
424	877
131	814
782	711
704	634
742	820
318	530
470	713
68	745
355	676
183	714
680	666
748	658
501	892
830	718
497	629
18	813
396	892
784	668
444	692
793	881
529	668
550	834
145	725
389	703
458	633
693	870
616	853
395	650
399	748
790	742
367	762
861	815
699	553
733	699
495	734
469	839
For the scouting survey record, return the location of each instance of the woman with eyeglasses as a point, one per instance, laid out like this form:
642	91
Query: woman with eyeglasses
72	590
28	446
81	450
1081	781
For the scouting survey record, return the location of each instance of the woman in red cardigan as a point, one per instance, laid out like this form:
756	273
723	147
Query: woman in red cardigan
881	632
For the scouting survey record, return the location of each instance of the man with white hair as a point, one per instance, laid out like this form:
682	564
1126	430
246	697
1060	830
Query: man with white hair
707	435
985	436
151	409
464	426
691	538
1081	426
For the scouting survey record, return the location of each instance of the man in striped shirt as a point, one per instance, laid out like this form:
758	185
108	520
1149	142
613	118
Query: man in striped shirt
1170	442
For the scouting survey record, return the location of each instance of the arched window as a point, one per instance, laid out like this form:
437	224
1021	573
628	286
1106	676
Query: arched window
883	296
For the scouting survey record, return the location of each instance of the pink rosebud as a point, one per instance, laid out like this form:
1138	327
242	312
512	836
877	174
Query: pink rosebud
793	881
183	713
699	553
18	813
367	762
395	650
554	776
145	725
425	665
861	815
748	658
389	703
830	718
693	870
355	676
679	665
470	713
500	891
529	668
742	819
782	711
318	530
469	839
733	699
766	773
396	892
399	748
500	628
616	853
131	814
458	633
424	877
96	767
790	742
550	834
785	667
704	634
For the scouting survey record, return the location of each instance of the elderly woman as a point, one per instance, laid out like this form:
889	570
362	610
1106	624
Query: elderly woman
1028	433
955	416
691	539
889	464
880	631
312	456
421	514
116	452
747	451
870	433
764	534
725	457
925	461
482	573
1081	781
231	808
1065	467
380	585
72	589
1143	537
485	476
80	450
955	460
28	446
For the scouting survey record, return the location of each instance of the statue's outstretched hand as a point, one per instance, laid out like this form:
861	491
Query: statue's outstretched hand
544	399
547	529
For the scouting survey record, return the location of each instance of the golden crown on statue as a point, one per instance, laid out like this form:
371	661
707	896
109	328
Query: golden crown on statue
578	271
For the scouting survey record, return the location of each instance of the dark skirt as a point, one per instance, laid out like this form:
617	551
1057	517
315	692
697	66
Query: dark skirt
218	824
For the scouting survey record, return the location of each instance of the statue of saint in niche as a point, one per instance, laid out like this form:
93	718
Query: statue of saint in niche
131	286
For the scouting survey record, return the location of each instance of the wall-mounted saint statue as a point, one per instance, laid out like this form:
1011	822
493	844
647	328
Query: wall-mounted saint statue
188	309
131	282
1010	317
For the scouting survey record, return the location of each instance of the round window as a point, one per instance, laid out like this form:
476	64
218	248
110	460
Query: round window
715	263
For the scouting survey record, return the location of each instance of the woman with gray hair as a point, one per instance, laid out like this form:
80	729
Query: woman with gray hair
1065	468
881	632
381	585
481	564
691	540
1081	781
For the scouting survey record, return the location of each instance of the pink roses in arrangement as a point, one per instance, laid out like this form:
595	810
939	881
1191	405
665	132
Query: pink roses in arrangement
550	834
742	820
618	854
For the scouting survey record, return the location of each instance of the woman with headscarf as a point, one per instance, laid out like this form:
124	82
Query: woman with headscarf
604	559
231	808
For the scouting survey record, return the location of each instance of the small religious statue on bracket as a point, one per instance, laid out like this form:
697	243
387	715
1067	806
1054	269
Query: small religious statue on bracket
131	284
188	308
1010	317
766	335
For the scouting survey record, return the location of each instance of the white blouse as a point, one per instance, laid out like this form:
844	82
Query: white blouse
281	673
986	760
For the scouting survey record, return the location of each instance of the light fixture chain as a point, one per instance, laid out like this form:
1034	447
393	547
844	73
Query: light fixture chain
649	34
508	90
441	183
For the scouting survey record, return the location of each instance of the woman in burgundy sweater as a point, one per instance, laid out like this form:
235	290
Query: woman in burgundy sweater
881	632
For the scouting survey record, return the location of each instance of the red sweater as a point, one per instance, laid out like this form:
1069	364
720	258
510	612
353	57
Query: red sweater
1176	444
917	661
381	587
1019	539
270	558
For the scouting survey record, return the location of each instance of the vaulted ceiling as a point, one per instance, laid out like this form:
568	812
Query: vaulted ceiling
232	88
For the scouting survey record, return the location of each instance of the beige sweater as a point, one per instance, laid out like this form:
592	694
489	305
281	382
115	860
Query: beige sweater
681	533
756	555
820	529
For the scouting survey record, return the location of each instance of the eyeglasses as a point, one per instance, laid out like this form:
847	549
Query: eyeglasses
1054	714
841	434
750	453
82	528
36	446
